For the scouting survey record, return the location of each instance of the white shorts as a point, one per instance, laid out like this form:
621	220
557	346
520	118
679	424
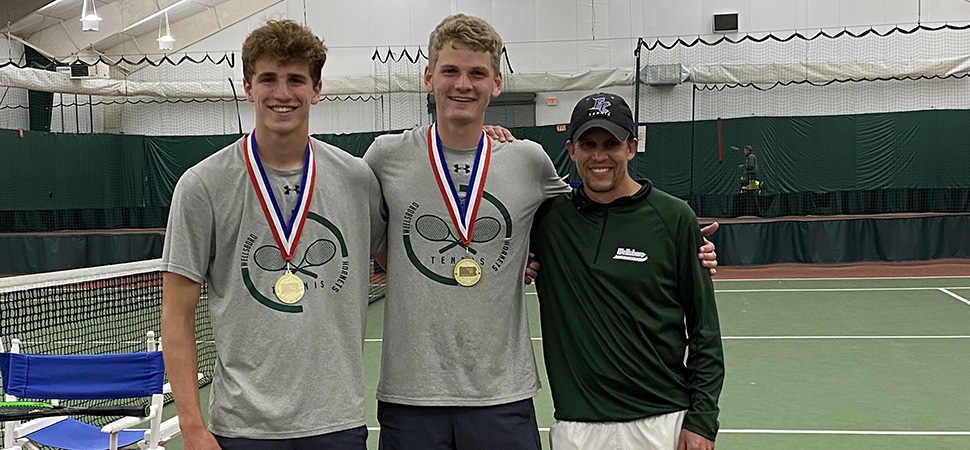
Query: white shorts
652	433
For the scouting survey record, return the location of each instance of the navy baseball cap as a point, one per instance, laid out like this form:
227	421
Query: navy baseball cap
607	111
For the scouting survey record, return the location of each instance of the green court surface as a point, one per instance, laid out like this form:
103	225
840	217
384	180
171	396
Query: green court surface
816	364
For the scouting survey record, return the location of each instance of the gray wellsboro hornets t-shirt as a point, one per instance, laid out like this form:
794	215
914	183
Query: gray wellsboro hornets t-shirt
445	344
283	371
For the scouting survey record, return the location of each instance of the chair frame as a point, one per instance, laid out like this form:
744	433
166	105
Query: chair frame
15	432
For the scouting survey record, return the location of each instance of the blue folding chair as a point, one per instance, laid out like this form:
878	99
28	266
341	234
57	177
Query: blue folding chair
84	377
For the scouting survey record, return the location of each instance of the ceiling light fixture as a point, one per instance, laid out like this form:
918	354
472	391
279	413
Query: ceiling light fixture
89	21
166	42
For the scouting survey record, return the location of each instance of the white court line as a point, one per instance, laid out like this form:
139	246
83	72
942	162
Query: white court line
742	280
832	432
853	432
721	291
768	338
945	291
839	337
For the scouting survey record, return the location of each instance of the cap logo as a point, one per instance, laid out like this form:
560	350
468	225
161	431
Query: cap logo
599	106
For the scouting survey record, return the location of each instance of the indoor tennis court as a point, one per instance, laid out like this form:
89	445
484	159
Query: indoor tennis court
833	363
855	110
821	364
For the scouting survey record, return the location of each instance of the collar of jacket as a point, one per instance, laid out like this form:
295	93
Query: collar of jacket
582	201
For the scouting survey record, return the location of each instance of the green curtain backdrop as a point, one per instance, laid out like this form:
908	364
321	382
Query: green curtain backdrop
46	171
866	152
858	164
166	158
40	103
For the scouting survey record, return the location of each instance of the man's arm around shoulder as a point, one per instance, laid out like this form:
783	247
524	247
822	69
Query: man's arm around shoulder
705	360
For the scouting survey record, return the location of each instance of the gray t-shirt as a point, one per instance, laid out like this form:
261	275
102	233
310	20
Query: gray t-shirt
444	344
282	371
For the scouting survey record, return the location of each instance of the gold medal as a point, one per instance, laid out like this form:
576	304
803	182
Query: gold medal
289	288
467	272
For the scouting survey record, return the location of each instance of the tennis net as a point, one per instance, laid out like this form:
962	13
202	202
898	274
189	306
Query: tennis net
107	309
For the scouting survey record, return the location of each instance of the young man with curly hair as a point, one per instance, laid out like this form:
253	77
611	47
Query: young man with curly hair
280	227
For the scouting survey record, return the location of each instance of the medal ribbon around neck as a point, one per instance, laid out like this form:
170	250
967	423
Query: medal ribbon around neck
286	234
462	215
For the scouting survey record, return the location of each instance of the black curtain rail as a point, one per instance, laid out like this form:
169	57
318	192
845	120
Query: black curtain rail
228	58
680	42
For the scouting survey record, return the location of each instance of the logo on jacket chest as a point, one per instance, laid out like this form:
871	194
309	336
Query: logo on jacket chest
630	254
434	246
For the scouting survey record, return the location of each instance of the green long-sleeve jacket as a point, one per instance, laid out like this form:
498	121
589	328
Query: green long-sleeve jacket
623	298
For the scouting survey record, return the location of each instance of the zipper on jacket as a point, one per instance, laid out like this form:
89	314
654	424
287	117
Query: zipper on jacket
599	242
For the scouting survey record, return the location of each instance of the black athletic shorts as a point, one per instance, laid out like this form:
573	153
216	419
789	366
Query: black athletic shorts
510	426
352	439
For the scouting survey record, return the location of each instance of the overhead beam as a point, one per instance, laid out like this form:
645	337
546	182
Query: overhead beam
68	39
65	41
12	11
193	29
43	52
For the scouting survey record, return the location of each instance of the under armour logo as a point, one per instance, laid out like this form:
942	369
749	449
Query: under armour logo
459	167
287	190
600	105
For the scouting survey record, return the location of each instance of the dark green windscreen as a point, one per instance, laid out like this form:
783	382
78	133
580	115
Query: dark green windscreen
912	162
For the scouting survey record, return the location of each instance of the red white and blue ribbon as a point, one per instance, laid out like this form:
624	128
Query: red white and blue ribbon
287	234
462	214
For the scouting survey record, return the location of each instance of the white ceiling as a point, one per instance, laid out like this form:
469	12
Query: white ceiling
127	26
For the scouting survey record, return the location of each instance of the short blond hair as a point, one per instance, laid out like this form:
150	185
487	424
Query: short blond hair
286	42
468	32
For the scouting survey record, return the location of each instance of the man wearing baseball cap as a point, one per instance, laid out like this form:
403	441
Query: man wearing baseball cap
624	300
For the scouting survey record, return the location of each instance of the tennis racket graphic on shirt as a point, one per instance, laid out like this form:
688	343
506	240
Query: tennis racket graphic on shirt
434	229
268	257
318	254
486	229
33	410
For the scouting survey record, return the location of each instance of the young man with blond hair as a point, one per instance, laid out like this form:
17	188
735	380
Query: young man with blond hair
458	369
280	227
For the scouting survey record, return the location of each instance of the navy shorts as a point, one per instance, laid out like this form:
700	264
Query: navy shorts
511	426
352	439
